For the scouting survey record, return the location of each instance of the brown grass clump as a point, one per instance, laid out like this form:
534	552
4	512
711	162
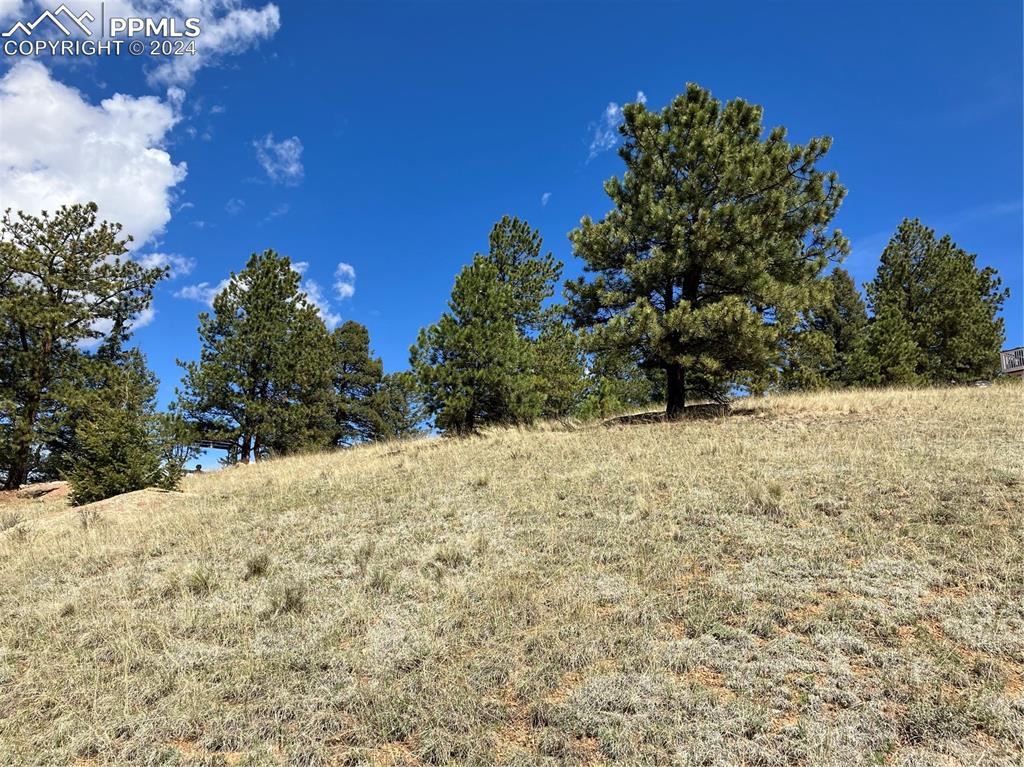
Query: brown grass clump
823	579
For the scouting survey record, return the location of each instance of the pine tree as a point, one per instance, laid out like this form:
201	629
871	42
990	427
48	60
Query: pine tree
357	376
959	328
890	356
261	382
713	246
822	351
616	381
470	363
844	318
397	408
499	355
120	443
62	278
947	307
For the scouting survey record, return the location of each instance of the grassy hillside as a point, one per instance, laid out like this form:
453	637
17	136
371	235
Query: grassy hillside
819	580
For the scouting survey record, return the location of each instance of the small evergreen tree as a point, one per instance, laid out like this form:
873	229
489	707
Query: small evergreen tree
498	355
397	407
890	357
713	247
616	381
120	443
261	381
823	350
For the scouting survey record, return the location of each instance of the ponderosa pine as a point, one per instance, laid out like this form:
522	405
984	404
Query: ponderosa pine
63	277
717	236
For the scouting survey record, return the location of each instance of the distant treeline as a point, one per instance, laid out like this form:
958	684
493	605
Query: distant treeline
712	273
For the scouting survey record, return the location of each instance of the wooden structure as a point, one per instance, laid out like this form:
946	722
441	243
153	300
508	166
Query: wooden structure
216	444
1012	361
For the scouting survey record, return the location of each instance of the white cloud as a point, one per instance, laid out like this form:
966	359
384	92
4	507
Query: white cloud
606	130
234	206
278	211
12	10
345	280
203	292
227	28
179	265
58	148
544	198
104	326
316	296
176	97
282	160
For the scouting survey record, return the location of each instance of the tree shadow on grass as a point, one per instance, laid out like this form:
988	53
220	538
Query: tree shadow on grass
702	412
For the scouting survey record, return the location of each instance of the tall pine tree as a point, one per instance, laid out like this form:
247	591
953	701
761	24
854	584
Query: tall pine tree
261	382
357	376
499	355
931	301
713	247
63	277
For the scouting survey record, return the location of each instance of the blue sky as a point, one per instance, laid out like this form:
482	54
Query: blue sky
390	137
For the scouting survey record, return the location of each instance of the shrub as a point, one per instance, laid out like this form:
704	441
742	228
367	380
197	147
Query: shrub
9	519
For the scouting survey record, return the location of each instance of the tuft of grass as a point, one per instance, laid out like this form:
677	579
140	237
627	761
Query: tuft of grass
257	565
200	581
9	519
87	519
287	598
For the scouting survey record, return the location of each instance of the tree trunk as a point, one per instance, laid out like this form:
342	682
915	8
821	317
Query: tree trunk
17	471
246	448
675	383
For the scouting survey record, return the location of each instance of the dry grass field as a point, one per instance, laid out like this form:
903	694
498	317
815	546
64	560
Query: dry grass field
832	579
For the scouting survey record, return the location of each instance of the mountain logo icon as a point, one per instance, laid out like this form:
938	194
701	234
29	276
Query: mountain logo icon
54	17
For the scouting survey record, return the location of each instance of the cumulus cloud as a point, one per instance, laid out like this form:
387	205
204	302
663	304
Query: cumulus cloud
58	148
12	10
227	28
606	130
282	160
104	326
203	292
316	296
345	280
179	265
